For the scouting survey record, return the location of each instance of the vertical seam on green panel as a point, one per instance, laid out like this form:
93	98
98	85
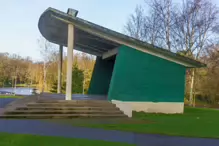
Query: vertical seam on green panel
113	76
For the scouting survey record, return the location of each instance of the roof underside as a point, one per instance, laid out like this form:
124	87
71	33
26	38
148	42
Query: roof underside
97	40
56	31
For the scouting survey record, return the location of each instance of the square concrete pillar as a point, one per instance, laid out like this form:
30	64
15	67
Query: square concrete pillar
68	95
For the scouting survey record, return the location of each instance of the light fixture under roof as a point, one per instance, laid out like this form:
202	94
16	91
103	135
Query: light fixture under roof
72	12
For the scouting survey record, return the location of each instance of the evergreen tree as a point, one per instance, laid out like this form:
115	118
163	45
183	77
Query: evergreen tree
54	87
77	80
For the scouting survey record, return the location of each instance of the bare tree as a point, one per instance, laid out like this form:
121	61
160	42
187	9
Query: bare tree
143	27
194	25
163	11
4	68
208	84
155	28
49	55
135	24
187	29
151	29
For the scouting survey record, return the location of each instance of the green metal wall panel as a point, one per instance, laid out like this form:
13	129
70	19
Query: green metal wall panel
101	76
138	76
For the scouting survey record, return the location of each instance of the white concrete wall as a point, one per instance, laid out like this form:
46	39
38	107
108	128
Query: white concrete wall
126	108
149	107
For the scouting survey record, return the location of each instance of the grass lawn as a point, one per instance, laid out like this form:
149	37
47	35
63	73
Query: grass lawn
195	122
10	96
25	85
34	140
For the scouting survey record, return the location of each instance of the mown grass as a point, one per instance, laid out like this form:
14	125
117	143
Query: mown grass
10	96
195	122
35	140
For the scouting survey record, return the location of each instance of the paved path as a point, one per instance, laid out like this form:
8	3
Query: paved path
5	101
53	129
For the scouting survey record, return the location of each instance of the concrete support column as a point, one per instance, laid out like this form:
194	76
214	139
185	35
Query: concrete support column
59	87
68	95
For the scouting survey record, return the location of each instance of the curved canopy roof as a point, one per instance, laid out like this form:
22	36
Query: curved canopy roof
97	40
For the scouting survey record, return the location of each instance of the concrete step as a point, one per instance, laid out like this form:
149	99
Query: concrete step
68	108
70	104
63	112
47	109
73	101
60	116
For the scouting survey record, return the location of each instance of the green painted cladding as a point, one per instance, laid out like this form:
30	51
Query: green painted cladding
101	76
139	76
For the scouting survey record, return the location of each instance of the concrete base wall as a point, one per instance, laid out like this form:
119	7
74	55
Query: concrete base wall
149	107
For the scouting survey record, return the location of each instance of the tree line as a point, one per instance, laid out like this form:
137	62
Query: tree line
43	75
189	28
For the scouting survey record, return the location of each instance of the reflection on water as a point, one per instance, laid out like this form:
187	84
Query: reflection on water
19	90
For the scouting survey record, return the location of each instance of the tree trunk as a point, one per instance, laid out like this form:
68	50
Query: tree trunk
83	82
44	77
191	88
15	84
168	28
31	81
12	82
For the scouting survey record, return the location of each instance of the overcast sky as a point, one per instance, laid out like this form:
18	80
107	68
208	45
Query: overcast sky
19	19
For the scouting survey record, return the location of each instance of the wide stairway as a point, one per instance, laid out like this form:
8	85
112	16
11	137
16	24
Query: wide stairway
65	109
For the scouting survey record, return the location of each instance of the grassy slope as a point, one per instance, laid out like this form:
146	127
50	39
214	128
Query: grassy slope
33	140
195	122
10	96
